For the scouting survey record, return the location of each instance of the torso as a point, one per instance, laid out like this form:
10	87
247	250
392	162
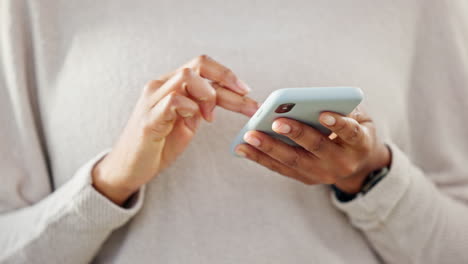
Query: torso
210	207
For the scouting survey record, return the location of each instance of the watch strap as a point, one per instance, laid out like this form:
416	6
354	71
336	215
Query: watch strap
371	180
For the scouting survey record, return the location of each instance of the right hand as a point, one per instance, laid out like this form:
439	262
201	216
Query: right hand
165	120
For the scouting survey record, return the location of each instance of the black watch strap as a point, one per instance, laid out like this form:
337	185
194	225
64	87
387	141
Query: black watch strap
371	180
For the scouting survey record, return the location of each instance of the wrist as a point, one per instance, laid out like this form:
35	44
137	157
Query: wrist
354	183
116	191
351	185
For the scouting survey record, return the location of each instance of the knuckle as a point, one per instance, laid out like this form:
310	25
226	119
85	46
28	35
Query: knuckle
293	160
254	157
357	114
266	147
211	91
186	73
227	74
215	86
328	178
245	101
355	132
173	99
298	133
152	86
341	126
201	59
348	168
317	144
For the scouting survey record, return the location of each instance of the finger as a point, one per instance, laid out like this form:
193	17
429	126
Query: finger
307	137
212	70
249	152
193	122
346	128
165	113
293	157
188	83
360	115
234	102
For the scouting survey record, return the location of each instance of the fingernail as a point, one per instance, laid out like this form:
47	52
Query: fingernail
243	86
186	114
213	115
328	120
251	109
252	140
281	128
240	153
192	123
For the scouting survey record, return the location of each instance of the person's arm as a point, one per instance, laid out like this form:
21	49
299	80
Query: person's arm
408	219
68	226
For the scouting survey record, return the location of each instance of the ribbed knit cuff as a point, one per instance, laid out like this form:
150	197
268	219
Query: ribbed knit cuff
95	207
372	209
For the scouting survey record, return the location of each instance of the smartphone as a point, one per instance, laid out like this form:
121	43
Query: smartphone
301	104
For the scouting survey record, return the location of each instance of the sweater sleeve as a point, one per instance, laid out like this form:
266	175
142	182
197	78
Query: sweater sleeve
67	226
407	219
37	225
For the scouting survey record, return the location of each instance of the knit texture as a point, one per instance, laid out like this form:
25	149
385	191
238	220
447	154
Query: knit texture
70	75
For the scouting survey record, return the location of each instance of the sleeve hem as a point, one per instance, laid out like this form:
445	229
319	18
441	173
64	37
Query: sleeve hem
75	208
373	208
98	209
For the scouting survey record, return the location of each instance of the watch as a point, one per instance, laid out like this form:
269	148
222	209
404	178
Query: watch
371	180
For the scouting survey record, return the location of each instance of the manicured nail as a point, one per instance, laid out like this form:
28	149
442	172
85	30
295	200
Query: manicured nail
240	153
243	86
328	120
252	140
186	114
210	116
192	123
251	109
281	127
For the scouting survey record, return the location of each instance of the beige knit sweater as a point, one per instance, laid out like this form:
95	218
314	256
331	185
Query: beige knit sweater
70	73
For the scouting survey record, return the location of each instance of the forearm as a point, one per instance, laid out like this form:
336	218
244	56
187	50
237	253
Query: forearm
68	226
408	220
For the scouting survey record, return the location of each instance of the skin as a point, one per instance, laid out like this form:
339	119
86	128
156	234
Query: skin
164	121
170	109
344	158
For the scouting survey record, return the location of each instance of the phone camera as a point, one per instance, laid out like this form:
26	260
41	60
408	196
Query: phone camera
284	108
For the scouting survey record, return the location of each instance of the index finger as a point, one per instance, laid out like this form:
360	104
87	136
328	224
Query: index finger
232	101
210	69
348	129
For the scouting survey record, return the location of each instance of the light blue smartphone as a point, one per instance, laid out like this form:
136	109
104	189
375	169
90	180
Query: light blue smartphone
301	104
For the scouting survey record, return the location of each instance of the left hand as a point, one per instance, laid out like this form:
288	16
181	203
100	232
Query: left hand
344	158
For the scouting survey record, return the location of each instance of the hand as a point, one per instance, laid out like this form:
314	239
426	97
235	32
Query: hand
344	158
164	121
